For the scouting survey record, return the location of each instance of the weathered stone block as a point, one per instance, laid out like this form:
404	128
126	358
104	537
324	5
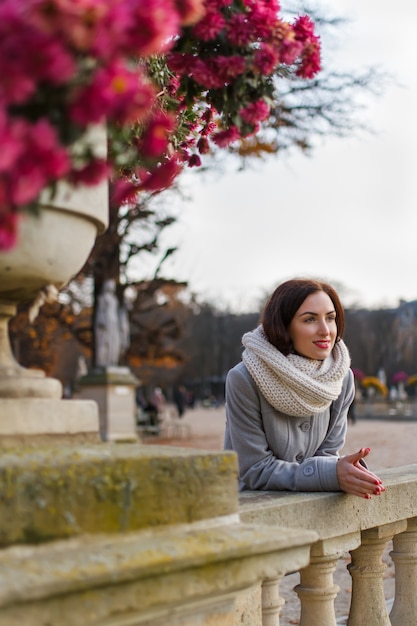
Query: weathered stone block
58	492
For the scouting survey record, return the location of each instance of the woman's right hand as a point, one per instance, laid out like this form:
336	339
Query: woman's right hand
356	479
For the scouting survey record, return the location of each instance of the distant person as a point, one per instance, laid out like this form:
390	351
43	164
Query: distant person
147	411
287	400
158	400
190	399
180	396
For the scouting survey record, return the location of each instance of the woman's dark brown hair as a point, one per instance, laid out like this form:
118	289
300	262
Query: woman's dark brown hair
285	302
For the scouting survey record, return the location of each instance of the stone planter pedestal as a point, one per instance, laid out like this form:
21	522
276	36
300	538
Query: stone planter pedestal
113	389
53	246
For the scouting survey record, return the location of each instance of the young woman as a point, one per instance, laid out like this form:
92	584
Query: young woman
287	401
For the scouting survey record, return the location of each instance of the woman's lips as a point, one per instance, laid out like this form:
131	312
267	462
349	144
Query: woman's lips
324	345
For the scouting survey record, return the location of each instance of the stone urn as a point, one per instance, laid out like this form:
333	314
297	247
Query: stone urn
52	247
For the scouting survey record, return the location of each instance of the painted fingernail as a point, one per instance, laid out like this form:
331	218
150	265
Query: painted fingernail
367	496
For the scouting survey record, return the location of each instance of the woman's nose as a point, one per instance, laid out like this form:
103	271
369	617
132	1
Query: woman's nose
324	327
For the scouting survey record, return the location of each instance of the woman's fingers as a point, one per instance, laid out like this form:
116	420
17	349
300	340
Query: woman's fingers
357	456
356	479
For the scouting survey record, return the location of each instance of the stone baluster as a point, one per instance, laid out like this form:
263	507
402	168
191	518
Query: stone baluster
404	555
317	590
272	602
368	604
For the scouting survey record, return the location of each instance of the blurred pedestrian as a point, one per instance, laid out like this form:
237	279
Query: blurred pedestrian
180	399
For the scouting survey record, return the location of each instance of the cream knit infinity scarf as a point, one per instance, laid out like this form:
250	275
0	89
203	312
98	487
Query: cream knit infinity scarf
293	384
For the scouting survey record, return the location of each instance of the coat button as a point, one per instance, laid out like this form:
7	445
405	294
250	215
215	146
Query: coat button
299	458
305	426
308	470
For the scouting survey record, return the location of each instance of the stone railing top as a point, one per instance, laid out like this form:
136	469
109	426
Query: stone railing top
173	565
57	492
335	514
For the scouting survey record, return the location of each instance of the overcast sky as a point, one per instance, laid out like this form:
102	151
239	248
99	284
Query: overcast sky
348	213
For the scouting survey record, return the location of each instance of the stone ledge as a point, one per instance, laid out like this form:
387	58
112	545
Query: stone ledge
335	514
95	577
52	493
51	416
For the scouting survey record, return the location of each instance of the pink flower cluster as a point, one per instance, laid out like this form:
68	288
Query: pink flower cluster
229	59
67	64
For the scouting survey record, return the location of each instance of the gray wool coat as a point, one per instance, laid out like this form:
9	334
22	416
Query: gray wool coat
280	452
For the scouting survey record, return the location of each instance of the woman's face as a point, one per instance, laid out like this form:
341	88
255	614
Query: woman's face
313	329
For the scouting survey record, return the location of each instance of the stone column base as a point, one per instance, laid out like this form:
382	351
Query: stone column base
113	388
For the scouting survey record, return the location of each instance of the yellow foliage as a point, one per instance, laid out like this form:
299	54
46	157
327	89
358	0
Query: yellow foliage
373	381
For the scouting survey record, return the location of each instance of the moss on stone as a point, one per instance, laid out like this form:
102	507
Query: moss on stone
60	492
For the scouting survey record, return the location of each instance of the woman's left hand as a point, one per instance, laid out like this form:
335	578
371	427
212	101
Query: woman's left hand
356	479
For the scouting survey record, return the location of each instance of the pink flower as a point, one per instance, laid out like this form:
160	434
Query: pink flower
190	11
208	129
205	74
203	145
8	230
194	161
162	177
12	141
30	55
228	68
310	60
45	147
304	28
209	27
214	5
26	184
262	17
255	112
310	55
225	137
239	30
154	23
287	45
180	63
131	98
173	85
17	83
156	135
272	4
115	92
124	191
265	59
48	60
43	161
399	377
92	173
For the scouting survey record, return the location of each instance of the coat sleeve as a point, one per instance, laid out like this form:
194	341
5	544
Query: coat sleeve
259	468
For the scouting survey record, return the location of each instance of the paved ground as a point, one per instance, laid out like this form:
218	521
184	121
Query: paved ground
392	442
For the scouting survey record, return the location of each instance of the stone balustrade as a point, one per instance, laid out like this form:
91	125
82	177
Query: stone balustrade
130	535
347	523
